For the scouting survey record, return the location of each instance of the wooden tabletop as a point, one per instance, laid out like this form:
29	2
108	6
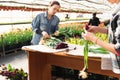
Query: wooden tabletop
73	59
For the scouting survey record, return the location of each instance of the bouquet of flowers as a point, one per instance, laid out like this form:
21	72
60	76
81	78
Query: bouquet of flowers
13	73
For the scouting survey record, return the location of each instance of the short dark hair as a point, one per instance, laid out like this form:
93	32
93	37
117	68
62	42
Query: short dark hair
54	2
94	14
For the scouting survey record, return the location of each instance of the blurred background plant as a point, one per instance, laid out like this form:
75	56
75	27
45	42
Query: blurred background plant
11	73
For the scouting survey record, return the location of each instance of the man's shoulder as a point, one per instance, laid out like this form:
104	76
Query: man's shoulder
39	14
96	18
56	17
91	19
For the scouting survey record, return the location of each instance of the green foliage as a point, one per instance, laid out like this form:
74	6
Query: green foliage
78	41
1	43
101	36
16	39
52	42
12	73
71	31
98	50
85	54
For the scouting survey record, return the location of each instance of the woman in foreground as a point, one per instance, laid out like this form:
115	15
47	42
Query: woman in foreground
113	31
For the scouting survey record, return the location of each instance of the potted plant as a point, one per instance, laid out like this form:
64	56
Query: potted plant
11	73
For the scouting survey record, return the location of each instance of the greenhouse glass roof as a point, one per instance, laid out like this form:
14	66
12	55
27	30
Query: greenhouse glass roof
78	5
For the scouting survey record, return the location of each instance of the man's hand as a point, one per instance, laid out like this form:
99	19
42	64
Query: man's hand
56	33
45	34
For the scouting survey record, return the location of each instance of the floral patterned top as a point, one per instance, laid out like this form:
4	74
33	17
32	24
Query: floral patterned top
114	32
114	38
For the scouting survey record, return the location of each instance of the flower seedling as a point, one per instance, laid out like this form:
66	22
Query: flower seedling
83	73
12	74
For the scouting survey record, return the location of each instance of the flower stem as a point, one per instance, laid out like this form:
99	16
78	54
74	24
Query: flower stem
85	54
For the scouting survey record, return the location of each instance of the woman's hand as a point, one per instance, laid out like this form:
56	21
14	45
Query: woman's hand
93	29
89	36
97	29
45	34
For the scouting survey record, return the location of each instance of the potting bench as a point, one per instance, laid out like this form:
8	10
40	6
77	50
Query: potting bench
40	62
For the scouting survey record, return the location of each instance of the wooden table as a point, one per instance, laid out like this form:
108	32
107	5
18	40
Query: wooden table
40	64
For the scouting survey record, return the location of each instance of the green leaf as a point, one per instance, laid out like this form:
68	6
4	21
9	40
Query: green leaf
98	50
9	67
85	54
